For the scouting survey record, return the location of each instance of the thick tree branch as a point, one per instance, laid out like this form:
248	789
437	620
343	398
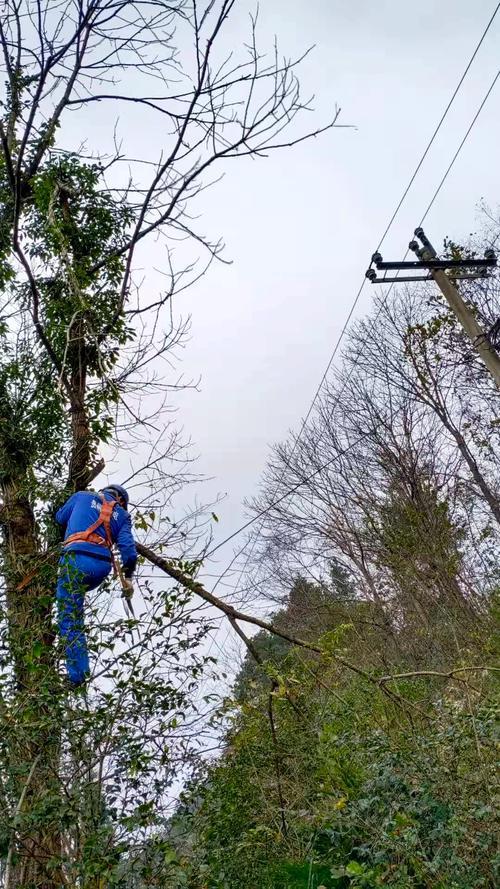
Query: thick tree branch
231	613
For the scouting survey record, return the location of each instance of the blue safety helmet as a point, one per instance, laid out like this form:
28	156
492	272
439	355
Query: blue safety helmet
119	493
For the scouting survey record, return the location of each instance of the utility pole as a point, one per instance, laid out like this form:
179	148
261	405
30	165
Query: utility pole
437	271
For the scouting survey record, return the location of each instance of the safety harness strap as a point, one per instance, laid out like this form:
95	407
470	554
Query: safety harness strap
89	536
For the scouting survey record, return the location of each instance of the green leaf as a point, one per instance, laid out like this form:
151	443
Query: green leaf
37	649
355	869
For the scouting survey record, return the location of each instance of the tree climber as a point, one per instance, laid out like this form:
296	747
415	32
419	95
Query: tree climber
92	524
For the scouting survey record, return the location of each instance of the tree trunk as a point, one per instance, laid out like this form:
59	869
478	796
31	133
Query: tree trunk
35	852
490	497
80	431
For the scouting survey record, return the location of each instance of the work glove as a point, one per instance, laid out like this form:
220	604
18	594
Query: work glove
127	593
127	588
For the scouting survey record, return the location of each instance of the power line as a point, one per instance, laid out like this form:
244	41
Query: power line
464	140
431	203
398	207
444	178
436	131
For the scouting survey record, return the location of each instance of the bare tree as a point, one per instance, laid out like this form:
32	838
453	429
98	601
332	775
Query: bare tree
394	477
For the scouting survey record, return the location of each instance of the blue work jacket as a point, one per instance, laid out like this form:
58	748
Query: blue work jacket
81	511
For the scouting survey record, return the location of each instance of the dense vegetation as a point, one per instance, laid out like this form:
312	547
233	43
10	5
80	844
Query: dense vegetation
356	788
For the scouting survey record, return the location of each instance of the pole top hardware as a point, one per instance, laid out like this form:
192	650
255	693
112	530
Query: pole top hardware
428	260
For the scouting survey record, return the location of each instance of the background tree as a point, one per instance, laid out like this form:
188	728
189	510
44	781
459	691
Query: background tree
395	476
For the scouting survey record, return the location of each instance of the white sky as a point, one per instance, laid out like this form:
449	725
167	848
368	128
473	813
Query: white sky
300	226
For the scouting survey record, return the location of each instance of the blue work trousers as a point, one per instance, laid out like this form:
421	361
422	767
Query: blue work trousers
78	573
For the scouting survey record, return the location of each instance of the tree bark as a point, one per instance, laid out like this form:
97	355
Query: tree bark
80	431
35	733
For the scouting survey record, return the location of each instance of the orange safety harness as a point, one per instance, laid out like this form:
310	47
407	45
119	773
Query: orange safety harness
89	535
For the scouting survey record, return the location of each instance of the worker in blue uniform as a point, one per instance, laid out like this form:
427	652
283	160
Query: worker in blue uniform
92	523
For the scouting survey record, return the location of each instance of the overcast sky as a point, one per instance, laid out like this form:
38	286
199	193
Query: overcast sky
300	226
